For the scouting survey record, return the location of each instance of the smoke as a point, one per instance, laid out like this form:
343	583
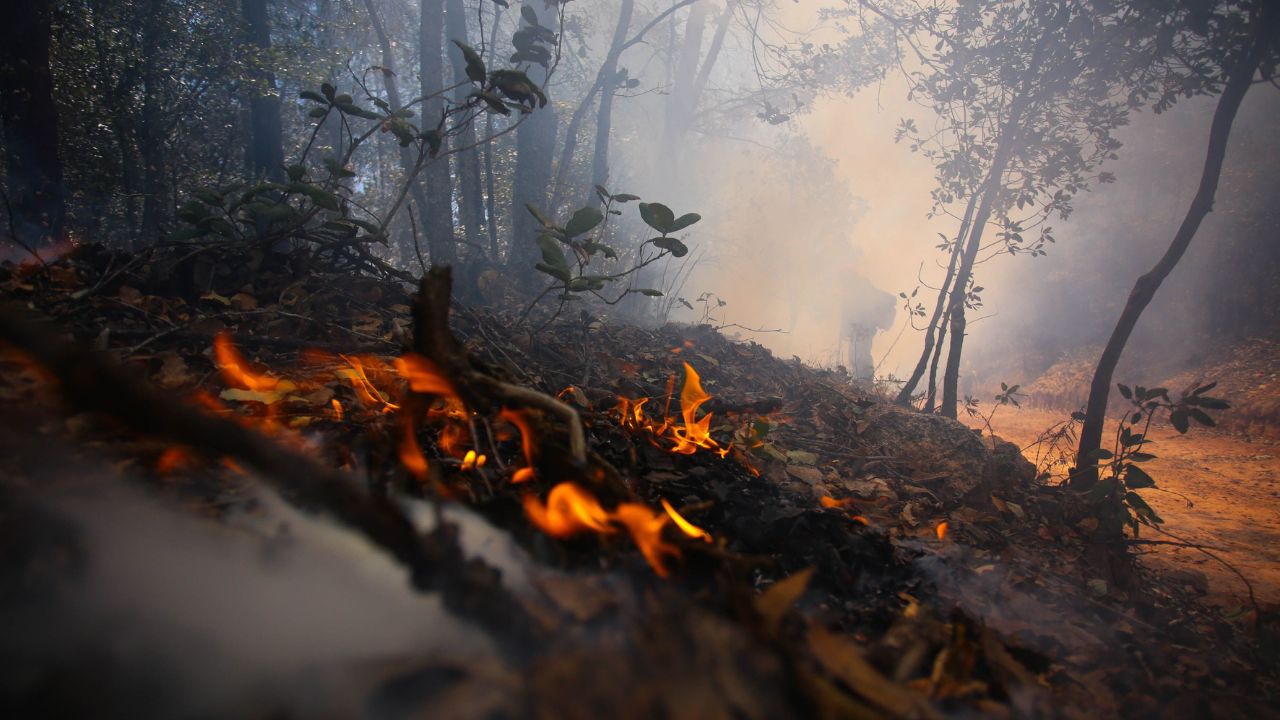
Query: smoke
146	612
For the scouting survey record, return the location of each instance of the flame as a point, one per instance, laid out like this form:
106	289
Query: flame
235	369
830	502
571	510
695	433
411	454
337	409
365	389
942	530
424	376
452	439
685	526
527	446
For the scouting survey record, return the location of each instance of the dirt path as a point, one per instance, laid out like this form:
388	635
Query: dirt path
1233	484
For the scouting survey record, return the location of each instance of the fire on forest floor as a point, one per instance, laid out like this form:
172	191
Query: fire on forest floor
1218	490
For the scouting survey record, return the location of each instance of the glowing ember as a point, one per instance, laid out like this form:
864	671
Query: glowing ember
172	459
830	502
337	409
685	526
942	530
521	475
472	460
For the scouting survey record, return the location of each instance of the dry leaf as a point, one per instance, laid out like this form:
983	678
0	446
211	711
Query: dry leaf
778	599
843	659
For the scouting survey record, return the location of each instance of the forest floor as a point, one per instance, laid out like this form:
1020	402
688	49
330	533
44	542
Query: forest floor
1219	490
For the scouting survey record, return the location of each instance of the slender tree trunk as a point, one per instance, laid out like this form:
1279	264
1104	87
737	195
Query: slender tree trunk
935	322
608	82
467	161
1239	77
266	144
535	149
35	189
931	396
406	156
152	140
437	211
490	198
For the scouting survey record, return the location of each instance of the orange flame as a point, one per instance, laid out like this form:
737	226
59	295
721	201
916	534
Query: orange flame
411	454
942	530
235	369
472	460
569	510
685	526
572	510
337	409
830	502
527	446
695	433
365	389
423	376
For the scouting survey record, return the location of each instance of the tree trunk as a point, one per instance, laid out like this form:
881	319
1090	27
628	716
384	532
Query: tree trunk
904	395
437	209
931	396
152	141
266	144
408	163
1239	77
467	159
535	148
34	171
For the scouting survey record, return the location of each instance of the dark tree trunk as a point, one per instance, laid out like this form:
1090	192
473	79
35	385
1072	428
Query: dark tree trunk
34	179
931	396
152	138
935	322
608	82
266	141
535	147
437	210
467	159
1239	78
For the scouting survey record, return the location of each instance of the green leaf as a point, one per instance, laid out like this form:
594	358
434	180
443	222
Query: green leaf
208	197
1201	417
1141	507
494	102
1125	391
583	221
1179	420
1100	454
1141	457
336	169
560	274
625	197
328	91
296	172
322	198
594	247
1102	490
1135	478
476	71
657	216
684	221
318	112
650	292
529	15
676	248
537	214
551	253
313	96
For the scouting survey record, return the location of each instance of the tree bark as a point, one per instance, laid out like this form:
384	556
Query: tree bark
470	198
437	210
930	336
34	177
1239	78
152	138
266	144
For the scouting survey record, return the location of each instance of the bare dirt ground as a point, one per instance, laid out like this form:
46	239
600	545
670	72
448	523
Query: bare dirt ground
1232	501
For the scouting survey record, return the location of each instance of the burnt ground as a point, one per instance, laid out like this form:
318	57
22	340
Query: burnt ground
143	561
